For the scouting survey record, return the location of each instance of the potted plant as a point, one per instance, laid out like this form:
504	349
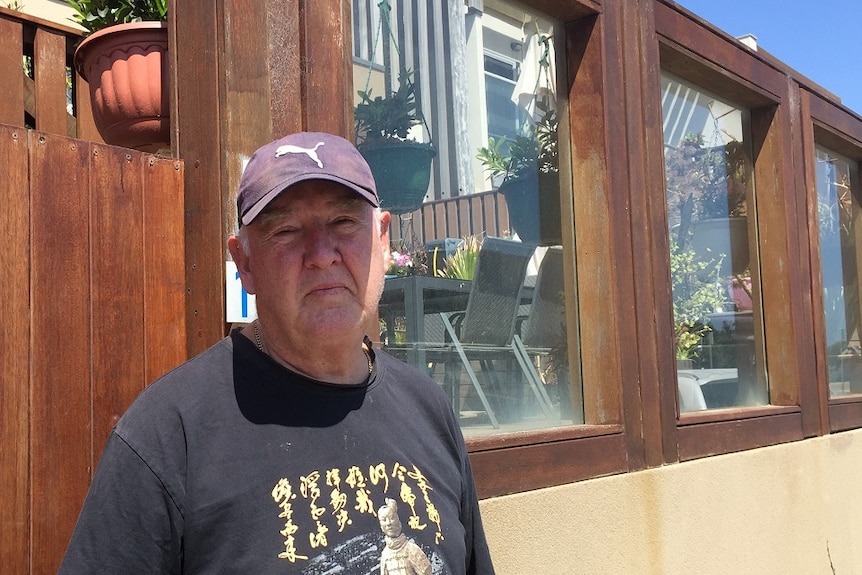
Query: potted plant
407	261
528	169
697	292
462	264
124	59
400	164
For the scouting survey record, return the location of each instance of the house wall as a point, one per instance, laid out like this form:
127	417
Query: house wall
52	10
788	509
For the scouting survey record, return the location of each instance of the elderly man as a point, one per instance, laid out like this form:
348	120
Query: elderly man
271	451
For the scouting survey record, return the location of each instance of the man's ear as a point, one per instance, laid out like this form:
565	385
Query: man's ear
385	219
243	266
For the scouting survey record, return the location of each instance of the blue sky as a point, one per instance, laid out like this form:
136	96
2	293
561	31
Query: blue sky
822	40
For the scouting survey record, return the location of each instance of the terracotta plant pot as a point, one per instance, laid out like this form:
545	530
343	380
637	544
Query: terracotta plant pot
126	66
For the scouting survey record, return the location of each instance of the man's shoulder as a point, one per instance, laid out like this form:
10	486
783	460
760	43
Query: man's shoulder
205	369
182	388
404	373
405	379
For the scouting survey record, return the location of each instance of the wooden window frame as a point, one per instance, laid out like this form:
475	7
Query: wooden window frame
716	62
828	124
549	457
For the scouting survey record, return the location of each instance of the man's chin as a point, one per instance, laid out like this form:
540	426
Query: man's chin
335	323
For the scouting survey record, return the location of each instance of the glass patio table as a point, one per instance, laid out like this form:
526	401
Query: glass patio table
413	297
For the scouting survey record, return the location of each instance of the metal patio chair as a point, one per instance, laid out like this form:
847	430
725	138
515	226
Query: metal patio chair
483	332
544	330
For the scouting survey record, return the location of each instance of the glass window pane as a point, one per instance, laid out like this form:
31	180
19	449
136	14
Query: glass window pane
838	210
709	191
476	294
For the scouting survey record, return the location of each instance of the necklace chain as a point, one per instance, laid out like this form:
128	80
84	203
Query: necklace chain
258	340
368	359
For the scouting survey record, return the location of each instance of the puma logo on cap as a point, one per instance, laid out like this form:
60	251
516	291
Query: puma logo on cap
310	152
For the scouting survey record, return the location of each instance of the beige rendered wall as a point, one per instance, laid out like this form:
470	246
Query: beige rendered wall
788	509
53	10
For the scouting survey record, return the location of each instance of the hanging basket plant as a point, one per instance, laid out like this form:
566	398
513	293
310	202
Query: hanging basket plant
529	169
401	165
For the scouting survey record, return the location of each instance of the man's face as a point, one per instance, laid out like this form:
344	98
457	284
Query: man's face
316	262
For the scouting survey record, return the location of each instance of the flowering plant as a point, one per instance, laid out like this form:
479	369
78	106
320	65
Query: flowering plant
405	263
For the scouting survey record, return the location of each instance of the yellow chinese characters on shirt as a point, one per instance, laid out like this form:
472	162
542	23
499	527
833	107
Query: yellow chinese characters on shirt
315	503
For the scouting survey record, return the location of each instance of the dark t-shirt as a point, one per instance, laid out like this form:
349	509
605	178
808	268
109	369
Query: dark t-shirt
233	464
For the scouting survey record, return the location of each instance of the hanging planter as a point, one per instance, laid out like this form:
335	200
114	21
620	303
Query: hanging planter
383	132
401	166
522	202
402	172
529	167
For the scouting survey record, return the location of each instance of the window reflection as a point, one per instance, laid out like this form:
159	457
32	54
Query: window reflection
709	204
476	295
837	210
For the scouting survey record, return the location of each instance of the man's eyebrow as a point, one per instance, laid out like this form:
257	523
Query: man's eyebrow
273	214
351	202
269	216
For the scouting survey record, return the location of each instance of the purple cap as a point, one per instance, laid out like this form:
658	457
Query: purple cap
298	157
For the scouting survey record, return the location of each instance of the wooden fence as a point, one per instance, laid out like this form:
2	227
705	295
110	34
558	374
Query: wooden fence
40	87
92	307
482	214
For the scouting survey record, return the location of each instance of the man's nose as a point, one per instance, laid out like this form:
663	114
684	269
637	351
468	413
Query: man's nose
321	249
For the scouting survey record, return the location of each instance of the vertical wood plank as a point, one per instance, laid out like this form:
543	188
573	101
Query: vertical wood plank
464	211
282	25
85	127
11	73
49	66
489	215
428	223
164	281
781	327
812	253
15	358
60	428
804	206
116	296
476	225
453	222
196	79
594	209
246	94
650	408
440	228
327	66
503	212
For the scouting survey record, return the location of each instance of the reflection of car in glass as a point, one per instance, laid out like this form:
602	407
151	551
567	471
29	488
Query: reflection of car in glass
701	389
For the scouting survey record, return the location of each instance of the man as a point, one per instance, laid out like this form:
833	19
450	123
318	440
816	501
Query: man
271	451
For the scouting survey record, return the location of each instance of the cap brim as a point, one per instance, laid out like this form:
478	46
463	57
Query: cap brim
261	204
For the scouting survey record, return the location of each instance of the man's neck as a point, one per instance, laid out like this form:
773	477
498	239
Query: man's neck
332	362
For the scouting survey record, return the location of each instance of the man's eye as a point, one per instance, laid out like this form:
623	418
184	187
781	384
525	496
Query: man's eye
344	221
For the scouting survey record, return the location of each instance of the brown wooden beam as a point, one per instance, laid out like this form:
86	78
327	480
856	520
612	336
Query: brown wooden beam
196	43
15	359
